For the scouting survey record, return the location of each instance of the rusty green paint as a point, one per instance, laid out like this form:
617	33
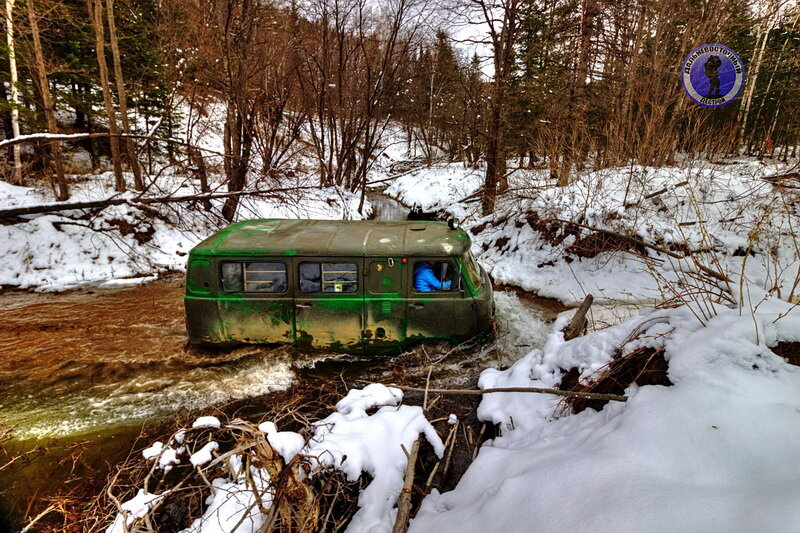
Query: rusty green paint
376	323
359	238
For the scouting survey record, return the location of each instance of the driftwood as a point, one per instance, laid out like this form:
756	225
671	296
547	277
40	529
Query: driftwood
779	177
535	390
578	324
52	208
404	501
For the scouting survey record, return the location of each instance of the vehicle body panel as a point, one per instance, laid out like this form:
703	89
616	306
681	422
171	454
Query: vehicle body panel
384	304
383	315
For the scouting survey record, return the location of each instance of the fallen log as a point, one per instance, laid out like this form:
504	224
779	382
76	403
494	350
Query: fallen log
52	208
535	390
69	137
778	177
404	501
578	324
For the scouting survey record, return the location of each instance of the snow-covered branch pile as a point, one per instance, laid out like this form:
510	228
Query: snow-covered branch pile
713	452
249	477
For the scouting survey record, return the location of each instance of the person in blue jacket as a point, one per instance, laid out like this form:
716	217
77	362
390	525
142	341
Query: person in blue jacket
425	279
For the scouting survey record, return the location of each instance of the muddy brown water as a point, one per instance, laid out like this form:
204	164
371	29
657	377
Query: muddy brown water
85	373
82	373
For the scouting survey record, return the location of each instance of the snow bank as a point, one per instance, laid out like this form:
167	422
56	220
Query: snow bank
125	245
714	452
438	188
235	504
354	442
743	221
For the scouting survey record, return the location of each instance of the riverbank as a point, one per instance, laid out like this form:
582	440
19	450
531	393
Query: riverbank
85	372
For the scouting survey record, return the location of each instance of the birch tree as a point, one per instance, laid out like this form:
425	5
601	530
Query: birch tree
14	96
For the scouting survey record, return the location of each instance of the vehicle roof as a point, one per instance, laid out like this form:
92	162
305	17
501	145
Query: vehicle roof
335	238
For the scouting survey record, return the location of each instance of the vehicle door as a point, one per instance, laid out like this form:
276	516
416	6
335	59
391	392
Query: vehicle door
384	304
430	313
256	302
329	302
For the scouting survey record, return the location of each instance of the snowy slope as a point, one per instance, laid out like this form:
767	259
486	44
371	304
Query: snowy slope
128	244
724	214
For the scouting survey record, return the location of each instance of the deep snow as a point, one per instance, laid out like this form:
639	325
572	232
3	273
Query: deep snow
714	452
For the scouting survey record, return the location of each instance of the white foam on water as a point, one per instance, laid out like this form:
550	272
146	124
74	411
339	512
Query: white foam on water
145	396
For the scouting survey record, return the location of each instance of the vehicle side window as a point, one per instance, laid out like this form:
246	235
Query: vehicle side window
254	277
435	276
328	277
265	277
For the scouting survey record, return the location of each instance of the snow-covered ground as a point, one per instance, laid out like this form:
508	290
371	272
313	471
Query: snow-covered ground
723	214
62	250
714	452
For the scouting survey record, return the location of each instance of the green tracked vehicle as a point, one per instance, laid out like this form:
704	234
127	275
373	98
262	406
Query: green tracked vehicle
346	286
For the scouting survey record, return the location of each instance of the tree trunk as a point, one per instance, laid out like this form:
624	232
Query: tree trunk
747	99
503	42
95	8
573	148
494	153
62	191
12	68
199	169
130	148
237	148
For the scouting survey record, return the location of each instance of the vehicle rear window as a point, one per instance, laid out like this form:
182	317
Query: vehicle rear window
328	277
254	277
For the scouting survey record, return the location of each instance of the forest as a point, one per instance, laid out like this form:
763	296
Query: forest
220	221
512	84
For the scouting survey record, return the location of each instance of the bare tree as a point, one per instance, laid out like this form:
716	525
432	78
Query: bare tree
122	97
95	8
62	191
352	56
502	22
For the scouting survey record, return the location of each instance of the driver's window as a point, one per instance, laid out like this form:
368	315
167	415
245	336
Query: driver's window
435	276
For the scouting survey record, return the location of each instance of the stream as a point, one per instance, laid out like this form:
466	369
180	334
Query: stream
91	369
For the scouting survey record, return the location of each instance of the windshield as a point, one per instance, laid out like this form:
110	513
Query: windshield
472	269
